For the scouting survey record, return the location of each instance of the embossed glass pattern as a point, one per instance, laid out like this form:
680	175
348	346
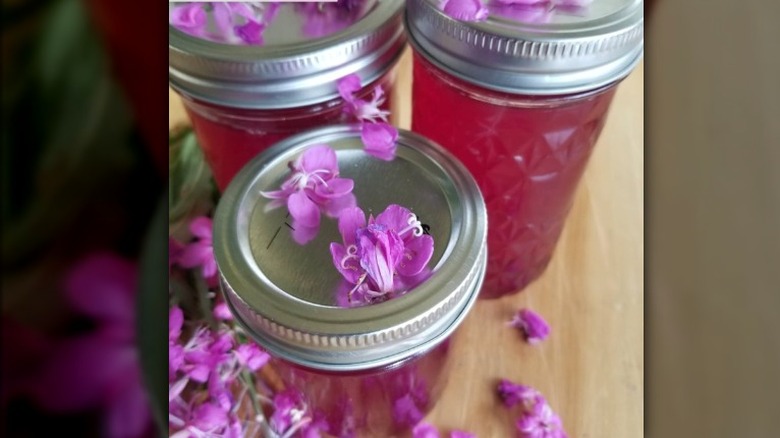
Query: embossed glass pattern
527	153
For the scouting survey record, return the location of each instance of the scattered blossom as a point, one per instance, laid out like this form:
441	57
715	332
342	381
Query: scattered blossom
534	328
512	394
540	422
425	430
322	19
314	187
537	419
200	252
378	257
378	136
464	10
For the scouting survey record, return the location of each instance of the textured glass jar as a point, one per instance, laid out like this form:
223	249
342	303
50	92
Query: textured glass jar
242	98
521	99
367	371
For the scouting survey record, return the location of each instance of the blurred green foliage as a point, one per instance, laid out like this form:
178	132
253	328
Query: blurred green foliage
66	127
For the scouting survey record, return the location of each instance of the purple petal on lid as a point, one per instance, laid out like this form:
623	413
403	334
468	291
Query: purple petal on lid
251	32
303	210
320	157
302	234
465	10
348	267
379	140
394	217
350	221
335	206
335	188
417	254
188	17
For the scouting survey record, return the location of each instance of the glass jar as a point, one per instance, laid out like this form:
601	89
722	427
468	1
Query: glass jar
241	99
373	370
521	99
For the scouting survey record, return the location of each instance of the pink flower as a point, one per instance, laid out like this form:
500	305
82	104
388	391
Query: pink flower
189	18
313	187
251	356
536	11
464	10
208	420
540	422
222	312
322	19
378	137
289	410
377	258
251	32
425	430
512	394
535	329
200	253
101	368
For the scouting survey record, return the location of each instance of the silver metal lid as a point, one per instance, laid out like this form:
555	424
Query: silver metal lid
516	50
284	293
290	69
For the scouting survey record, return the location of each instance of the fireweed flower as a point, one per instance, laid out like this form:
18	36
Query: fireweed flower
291	415
536	11
425	430
512	394
535	329
321	19
378	136
379	257
540	422
200	253
314	187
235	22
464	10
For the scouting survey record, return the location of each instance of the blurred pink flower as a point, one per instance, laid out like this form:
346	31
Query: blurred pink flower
200	252
100	369
535	329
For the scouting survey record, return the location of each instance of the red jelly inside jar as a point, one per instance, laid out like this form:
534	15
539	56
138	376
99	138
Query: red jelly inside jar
521	98
527	153
230	137
271	71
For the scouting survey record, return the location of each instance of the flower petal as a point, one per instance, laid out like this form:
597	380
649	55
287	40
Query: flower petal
196	254
320	157
379	140
335	206
175	321
223	17
202	227
302	234
251	32
336	187
465	10
348	86
380	252
303	210
348	268
102	285
535	329
425	430
395	217
188	17
128	414
417	254
350	221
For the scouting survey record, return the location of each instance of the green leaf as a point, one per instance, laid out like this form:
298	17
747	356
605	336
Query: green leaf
191	190
152	314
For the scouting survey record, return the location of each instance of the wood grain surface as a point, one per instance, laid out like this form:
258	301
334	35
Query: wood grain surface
591	367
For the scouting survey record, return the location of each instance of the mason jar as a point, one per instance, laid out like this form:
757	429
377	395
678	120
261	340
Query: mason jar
521	98
377	368
242	98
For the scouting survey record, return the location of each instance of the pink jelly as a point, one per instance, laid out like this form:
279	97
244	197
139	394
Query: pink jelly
371	368
230	137
521	105
242	97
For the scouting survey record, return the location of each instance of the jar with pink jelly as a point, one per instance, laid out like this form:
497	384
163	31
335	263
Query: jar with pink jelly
363	370
242	97
519	92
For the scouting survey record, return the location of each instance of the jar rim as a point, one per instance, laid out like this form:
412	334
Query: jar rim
289	75
289	314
